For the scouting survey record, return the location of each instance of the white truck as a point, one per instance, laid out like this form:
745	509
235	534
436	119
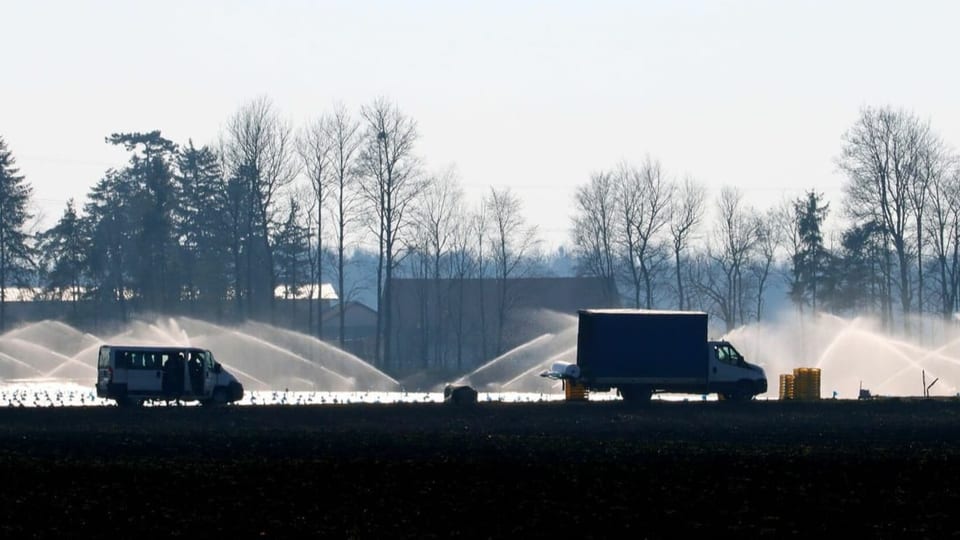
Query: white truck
130	375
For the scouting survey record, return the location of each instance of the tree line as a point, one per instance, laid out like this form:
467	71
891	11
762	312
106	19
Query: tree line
268	207
898	252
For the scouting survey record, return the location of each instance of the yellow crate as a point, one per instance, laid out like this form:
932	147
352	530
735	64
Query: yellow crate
787	387
575	392
806	383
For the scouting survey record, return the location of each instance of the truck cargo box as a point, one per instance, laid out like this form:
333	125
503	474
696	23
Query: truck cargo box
617	343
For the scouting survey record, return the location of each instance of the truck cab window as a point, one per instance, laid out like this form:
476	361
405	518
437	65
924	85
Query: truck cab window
727	355
732	356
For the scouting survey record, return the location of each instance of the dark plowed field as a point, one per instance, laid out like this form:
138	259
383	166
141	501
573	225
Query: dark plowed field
862	469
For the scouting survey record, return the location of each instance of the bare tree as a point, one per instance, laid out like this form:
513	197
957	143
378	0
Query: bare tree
480	228
644	212
881	157
932	165
440	208
734	237
512	241
463	264
942	221
391	182
595	227
769	230
315	147
686	213
259	153
344	134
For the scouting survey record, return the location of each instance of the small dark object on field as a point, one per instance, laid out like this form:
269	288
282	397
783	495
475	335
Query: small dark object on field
459	394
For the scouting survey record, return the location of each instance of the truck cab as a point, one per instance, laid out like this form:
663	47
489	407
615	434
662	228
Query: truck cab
730	376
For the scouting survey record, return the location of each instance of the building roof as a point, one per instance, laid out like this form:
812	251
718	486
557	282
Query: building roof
357	309
561	294
324	292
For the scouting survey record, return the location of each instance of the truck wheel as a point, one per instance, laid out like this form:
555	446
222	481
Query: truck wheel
635	393
743	393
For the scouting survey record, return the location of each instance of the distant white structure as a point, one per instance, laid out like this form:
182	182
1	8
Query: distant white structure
33	294
324	292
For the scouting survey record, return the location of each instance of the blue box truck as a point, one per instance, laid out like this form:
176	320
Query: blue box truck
642	352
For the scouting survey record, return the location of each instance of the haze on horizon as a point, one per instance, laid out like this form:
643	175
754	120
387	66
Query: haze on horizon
535	96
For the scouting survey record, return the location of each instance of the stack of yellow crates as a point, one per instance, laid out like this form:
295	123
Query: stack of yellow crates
787	388
802	385
575	392
806	384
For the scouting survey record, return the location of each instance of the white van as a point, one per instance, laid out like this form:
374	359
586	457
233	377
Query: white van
129	375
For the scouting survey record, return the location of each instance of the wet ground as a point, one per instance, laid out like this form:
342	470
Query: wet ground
869	469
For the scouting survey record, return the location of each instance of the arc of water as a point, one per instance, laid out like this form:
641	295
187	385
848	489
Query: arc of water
512	352
12	360
849	327
271	346
938	352
540	366
248	376
70	361
891	345
312	341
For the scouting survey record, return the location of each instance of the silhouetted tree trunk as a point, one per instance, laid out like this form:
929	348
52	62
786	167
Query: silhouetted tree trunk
391	182
686	213
512	242
260	145
344	134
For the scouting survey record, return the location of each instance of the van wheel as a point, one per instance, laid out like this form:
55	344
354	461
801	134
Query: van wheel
129	403
218	399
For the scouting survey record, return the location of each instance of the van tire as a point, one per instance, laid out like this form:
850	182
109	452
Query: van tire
129	403
219	397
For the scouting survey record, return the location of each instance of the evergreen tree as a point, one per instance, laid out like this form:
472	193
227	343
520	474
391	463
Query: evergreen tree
857	281
110	231
14	249
64	248
202	226
810	260
151	208
292	251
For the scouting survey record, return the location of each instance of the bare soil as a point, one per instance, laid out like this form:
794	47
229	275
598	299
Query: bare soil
869	469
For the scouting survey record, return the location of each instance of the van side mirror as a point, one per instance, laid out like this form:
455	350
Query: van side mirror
217	368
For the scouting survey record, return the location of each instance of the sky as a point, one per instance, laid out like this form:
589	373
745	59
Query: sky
535	96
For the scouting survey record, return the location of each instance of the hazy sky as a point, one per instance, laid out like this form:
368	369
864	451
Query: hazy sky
533	95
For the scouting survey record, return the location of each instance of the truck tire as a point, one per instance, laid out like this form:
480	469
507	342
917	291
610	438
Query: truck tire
742	393
635	393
